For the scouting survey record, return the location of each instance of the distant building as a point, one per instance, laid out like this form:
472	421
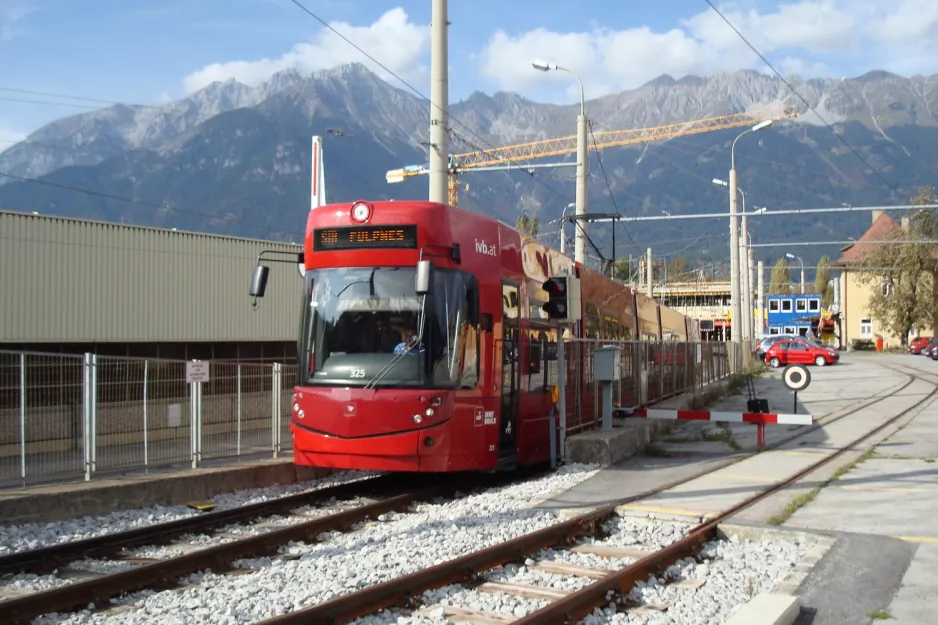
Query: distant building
76	286
793	314
708	302
854	296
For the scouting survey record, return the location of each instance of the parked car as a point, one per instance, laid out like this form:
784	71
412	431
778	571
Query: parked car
769	341
919	343
929	348
800	352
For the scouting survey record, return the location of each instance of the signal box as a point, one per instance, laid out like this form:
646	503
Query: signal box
563	299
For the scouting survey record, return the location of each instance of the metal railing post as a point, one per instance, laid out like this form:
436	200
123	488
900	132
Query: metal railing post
146	446
561	392
195	421
275	410
239	409
23	417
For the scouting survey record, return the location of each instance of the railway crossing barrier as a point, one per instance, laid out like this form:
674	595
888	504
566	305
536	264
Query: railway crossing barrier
759	418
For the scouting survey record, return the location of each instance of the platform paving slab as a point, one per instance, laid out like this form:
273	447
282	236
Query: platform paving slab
888	499
72	500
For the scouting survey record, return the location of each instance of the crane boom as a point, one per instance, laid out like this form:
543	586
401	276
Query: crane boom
604	139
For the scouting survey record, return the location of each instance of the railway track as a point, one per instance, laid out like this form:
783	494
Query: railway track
606	585
396	491
401	591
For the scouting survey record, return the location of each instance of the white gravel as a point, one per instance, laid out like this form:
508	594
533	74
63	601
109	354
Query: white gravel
733	570
15	538
394	545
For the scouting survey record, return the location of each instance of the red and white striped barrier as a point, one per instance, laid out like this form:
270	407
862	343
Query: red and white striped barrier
731	417
760	419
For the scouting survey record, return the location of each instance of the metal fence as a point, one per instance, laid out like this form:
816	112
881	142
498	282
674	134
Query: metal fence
75	416
68	416
650	372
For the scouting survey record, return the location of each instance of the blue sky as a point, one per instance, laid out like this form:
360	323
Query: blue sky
147	52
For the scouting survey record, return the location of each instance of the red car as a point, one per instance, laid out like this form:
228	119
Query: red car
918	343
800	352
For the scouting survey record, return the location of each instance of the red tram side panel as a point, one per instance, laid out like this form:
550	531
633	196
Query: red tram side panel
474	393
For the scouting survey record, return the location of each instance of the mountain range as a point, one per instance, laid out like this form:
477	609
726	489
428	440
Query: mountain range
235	159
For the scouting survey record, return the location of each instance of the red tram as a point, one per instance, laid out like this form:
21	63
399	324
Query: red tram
423	344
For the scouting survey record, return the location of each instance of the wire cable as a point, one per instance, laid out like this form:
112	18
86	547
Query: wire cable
892	187
599	158
417	92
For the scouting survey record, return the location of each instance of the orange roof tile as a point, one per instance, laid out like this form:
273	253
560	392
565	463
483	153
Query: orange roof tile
881	228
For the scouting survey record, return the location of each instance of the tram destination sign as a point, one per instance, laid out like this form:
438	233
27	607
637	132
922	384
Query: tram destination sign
364	237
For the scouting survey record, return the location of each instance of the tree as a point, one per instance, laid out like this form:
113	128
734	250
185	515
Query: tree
677	267
902	274
527	225
780	281
821	280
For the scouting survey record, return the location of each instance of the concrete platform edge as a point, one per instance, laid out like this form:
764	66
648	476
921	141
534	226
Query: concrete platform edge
607	447
70	501
768	609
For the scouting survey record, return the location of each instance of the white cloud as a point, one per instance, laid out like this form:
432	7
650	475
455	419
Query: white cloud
12	12
804	37
395	41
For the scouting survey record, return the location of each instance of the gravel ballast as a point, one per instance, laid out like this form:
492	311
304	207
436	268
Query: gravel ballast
733	571
396	544
15	538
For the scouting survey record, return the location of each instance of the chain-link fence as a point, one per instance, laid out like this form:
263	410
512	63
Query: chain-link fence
72	416
650	372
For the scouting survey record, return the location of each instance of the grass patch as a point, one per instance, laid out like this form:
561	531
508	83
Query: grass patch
880	615
724	434
656	451
803	500
929	459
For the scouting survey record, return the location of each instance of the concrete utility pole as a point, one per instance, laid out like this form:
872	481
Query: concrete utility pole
761	307
439	104
745	284
734	232
751	266
649	269
582	166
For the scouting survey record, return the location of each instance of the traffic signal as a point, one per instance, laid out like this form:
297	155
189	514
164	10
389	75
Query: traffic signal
563	298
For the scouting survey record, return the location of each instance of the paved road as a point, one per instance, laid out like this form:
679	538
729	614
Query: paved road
887	563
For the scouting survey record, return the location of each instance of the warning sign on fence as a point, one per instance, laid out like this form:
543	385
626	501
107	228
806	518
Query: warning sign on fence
196	371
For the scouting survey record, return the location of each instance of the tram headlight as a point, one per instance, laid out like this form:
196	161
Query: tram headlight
436	401
300	414
417	418
296	407
428	412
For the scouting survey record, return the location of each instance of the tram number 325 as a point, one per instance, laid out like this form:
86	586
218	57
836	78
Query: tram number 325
357	373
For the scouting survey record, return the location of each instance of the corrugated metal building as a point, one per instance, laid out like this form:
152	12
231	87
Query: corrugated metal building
76	285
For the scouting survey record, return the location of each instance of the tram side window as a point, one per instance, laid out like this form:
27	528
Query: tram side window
456	303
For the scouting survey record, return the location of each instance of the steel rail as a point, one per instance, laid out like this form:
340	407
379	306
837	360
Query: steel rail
468	568
52	557
217	558
582	602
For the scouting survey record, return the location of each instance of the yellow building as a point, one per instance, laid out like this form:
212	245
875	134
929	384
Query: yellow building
856	320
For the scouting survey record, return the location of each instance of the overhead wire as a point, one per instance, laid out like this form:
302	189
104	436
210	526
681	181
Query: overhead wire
892	187
602	168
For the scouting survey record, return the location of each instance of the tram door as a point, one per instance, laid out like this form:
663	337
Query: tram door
511	368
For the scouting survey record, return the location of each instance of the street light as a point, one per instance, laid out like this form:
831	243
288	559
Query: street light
734	232
582	167
745	273
793	257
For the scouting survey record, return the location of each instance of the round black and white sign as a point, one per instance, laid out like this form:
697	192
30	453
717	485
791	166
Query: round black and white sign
797	377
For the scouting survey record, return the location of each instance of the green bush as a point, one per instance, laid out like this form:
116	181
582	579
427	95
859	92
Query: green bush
863	344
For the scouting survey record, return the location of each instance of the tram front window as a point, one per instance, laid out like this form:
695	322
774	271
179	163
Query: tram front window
362	323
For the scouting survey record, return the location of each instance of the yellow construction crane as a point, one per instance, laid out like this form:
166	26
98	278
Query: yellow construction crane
502	158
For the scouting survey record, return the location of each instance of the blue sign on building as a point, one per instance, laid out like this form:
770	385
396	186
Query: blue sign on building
792	314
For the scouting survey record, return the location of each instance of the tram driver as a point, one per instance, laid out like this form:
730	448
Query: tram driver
408	339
